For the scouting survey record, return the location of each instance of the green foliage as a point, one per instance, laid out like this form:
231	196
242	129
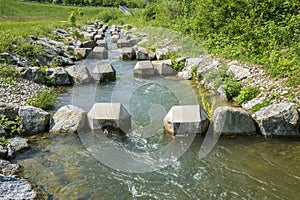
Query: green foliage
45	100
13	126
193	73
3	141
259	106
247	94
177	65
8	73
231	87
216	77
72	18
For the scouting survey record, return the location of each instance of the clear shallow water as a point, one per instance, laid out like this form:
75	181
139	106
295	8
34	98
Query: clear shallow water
239	168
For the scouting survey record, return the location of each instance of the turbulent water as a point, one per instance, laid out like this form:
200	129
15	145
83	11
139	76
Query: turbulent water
64	166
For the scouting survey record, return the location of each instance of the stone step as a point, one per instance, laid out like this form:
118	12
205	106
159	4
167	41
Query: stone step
104	73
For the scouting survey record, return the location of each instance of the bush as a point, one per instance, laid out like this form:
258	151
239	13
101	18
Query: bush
231	87
72	18
247	94
45	100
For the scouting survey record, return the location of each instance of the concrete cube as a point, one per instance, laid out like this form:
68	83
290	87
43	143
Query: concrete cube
122	43
127	53
187	119
164	67
144	69
104	73
102	43
109	116
98	53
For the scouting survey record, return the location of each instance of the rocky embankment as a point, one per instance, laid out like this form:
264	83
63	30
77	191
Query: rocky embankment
279	117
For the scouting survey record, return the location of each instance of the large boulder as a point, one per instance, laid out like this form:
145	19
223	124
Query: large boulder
104	73
81	53
144	69
278	119
68	119
229	120
109	116
239	72
127	53
80	74
160	53
16	145
33	120
188	119
10	111
9	169
15	188
58	76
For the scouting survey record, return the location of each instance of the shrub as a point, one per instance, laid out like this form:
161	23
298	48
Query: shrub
45	100
231	87
72	18
247	94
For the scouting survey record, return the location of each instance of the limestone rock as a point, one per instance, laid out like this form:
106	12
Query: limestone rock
229	120
9	169
144	69
104	73
79	74
68	119
58	75
160	53
188	119
250	104
32	73
239	72
127	53
110	116
16	145
9	110
278	119
81	53
33	120
15	188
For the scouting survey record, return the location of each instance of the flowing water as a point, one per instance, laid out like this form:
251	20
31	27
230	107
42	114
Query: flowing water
65	167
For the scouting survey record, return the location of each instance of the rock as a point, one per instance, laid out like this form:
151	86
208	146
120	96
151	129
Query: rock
9	169
33	120
79	74
221	91
16	145
99	37
2	131
89	36
3	152
160	53
104	73
9	110
239	72
81	53
188	119
15	188
185	75
114	38
58	75
98	53
144	69
250	104
278	119
110	116
34	74
192	62
229	120
122	43
102	43
164	67
144	54
206	65
132	42
89	44
127	53
68	119
62	31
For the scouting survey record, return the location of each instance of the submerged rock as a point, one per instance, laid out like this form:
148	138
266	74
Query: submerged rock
278	119
68	119
229	120
33	120
15	188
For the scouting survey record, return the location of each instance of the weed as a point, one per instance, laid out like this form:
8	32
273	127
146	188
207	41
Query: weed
45	100
259	106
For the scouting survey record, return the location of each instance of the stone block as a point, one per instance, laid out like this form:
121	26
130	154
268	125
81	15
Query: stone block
164	67
98	53
187	119
104	73
127	53
109	116
144	69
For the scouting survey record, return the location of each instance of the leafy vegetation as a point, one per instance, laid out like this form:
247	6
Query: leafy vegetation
247	94
232	87
45	100
259	106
